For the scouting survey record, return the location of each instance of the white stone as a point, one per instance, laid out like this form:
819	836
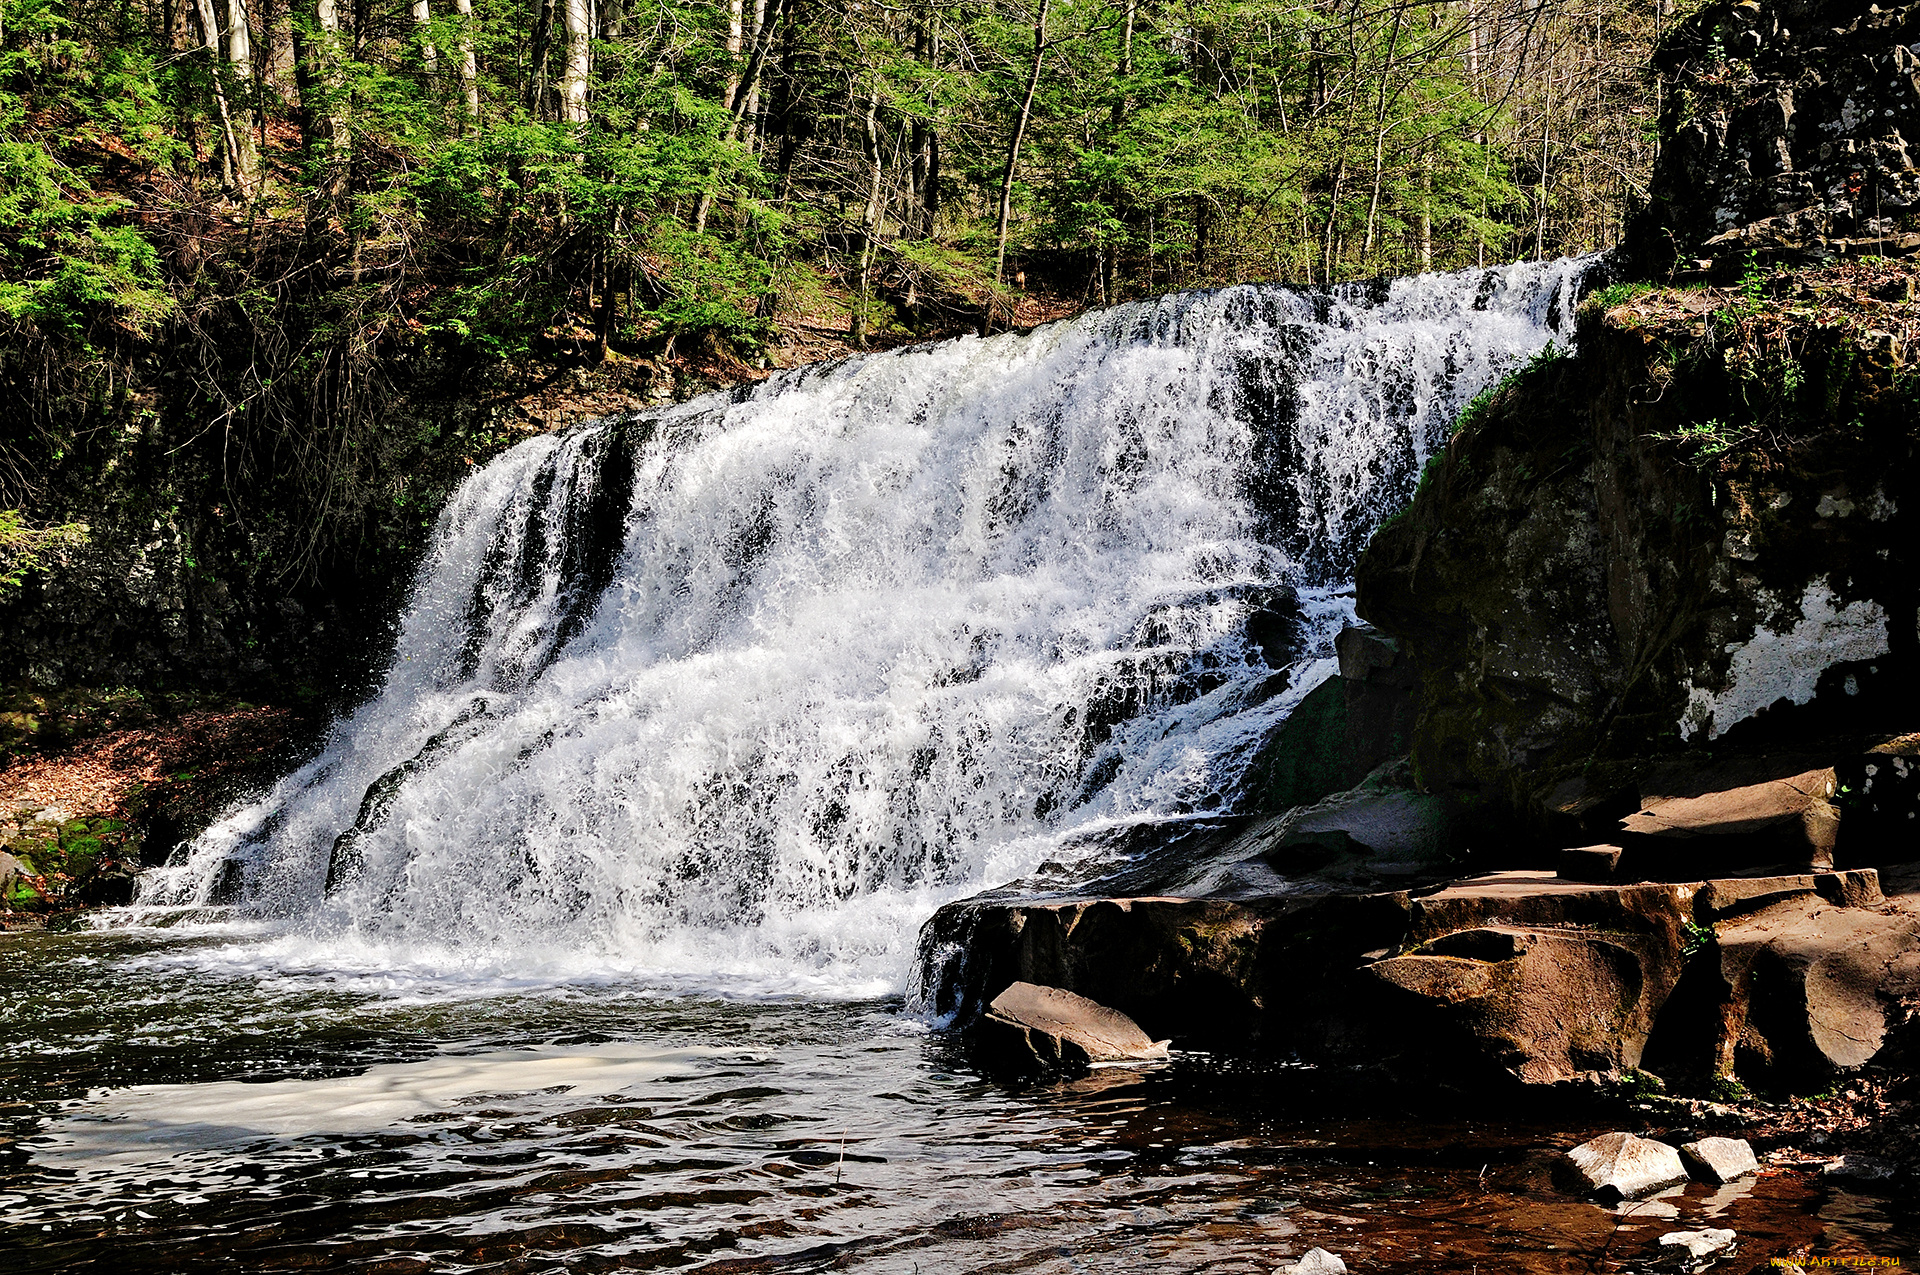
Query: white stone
1692	1249
1786	663
1319	1262
1720	1159
1629	1167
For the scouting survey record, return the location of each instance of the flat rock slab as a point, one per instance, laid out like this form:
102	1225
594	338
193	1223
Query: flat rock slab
1620	1164
1719	1160
1056	1026
1691	1250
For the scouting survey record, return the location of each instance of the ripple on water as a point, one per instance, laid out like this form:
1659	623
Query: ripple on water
161	1117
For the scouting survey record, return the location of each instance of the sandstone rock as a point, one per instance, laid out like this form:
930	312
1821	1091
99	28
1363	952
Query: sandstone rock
1051	1026
1318	1261
1720	1160
1590	863
1623	1166
1692	1250
1720	815
1806	989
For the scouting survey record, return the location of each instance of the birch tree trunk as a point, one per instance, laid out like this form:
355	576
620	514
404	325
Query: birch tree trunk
573	82
245	125
233	167
469	66
869	216
1013	148
429	56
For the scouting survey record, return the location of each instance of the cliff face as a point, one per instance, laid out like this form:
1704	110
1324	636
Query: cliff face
1697	532
1790	128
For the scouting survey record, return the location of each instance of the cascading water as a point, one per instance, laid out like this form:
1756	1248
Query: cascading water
733	695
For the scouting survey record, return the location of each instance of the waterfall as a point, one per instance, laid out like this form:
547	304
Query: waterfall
732	695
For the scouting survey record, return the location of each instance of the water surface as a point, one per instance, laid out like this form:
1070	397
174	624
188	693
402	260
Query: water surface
166	1110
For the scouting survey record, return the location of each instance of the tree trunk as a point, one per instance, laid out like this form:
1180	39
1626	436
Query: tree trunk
230	165
869	217
429	56
573	81
1013	150
536	87
737	104
469	66
240	59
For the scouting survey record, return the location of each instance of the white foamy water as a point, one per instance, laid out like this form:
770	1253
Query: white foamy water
732	696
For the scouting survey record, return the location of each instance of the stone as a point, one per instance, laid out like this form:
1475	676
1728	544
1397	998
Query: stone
1739	811
1691	1250
1367	654
1622	1166
1770	112
1318	1261
1719	1160
1866	1168
1052	1027
1589	863
1344	730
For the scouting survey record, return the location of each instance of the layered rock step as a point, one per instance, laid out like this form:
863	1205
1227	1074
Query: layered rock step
1505	977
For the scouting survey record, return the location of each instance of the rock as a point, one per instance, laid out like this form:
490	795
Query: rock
1879	799
1720	1160
1341	732
1050	1026
1805	987
1590	863
1691	1250
1866	1168
1622	1166
1568	643
110	884
1743	811
1378	832
1784	133
1367	654
1319	1262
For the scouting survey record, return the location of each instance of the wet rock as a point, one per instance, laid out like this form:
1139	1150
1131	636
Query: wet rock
1622	1166
1692	1250
1719	1160
112	883
1318	1261
1345	728
1866	1168
1030	1024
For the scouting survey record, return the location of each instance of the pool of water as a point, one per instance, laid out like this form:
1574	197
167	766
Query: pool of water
165	1104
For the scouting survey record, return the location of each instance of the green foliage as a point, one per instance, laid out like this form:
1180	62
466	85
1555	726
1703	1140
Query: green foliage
25	548
1698	938
1727	1089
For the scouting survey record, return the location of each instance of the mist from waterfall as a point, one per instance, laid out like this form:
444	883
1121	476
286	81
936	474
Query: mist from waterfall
731	696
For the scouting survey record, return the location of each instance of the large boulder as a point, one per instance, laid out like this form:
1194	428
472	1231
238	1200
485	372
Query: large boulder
1585	600
1624	1167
